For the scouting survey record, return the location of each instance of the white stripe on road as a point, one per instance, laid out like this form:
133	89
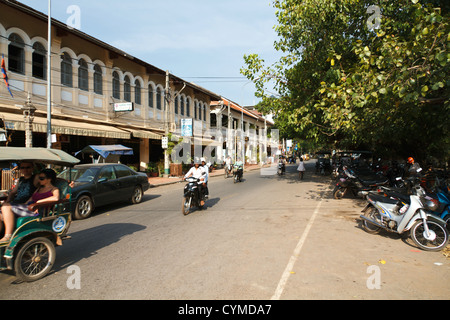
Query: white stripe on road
294	257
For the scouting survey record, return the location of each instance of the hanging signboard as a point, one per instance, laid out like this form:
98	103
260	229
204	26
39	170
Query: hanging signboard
122	107
165	142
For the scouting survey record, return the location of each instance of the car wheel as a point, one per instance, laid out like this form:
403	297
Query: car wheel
137	195
83	208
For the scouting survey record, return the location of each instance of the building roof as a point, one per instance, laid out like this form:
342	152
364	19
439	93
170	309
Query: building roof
62	26
248	111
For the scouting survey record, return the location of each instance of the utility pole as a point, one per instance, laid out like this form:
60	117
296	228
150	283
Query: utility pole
49	80
28	110
166	124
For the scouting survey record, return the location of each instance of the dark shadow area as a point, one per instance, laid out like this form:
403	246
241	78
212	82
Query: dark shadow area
86	243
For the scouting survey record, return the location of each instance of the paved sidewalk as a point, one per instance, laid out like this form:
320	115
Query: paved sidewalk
159	181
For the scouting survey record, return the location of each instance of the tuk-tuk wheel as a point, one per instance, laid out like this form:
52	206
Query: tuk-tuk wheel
35	259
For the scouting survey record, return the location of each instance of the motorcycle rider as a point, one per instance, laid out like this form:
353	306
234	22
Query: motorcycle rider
414	167
228	164
205	183
198	172
283	163
239	167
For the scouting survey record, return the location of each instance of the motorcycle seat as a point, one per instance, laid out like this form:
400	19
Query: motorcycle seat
373	182
380	198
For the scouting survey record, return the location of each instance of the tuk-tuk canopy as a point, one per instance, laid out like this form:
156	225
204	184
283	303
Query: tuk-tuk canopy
106	150
44	155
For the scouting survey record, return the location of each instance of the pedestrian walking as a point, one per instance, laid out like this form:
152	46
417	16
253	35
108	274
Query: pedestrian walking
301	169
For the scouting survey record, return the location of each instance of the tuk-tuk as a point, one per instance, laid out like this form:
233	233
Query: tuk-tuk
30	252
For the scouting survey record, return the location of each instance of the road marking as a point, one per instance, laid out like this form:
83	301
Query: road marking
295	255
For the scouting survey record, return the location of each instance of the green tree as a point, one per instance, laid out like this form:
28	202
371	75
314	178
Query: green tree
339	82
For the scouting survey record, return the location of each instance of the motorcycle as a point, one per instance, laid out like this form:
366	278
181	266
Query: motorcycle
191	196
428	231
441	196
359	186
228	170
238	172
281	168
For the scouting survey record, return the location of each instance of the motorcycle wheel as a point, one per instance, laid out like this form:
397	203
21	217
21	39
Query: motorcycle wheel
235	178
339	192
439	238
372	214
185	206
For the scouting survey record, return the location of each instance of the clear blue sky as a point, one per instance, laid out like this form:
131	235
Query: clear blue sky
191	39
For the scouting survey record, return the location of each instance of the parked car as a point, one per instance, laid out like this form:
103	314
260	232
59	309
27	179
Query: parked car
95	185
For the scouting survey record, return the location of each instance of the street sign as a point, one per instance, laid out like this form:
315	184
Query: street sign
165	142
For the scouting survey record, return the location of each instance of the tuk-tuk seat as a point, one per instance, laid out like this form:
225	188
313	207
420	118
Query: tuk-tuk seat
50	209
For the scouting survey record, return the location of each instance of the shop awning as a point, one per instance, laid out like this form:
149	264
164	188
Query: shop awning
144	134
16	122
106	150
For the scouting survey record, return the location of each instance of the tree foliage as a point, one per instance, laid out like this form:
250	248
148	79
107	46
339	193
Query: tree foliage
339	82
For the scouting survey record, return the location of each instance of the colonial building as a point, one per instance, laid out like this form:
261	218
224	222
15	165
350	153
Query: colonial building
99	94
242	131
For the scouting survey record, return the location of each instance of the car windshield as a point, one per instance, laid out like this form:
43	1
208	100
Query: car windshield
79	174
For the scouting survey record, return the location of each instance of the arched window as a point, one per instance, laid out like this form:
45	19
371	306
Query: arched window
204	112
39	61
195	109
127	89
176	105
66	70
83	75
182	106
116	85
150	97
16	54
199	111
158	98
188	107
137	92
98	79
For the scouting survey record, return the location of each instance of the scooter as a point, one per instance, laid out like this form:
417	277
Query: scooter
281	168
191	196
238	172
428	231
359	186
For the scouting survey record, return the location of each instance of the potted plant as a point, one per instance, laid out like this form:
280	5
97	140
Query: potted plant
152	169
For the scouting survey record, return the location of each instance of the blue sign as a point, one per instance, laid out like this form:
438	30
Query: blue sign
186	127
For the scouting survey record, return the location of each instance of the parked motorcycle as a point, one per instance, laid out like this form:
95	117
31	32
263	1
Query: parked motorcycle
359	185
440	196
238	172
191	196
428	231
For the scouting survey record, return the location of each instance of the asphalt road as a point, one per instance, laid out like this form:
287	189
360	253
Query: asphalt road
268	237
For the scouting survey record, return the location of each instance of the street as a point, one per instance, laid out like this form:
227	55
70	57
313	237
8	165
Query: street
268	237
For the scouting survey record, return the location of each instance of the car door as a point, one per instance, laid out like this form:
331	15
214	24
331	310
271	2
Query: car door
107	186
127	180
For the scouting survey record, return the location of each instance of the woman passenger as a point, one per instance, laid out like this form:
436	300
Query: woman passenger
45	193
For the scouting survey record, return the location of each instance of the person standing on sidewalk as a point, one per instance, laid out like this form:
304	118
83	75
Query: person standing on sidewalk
301	169
205	182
